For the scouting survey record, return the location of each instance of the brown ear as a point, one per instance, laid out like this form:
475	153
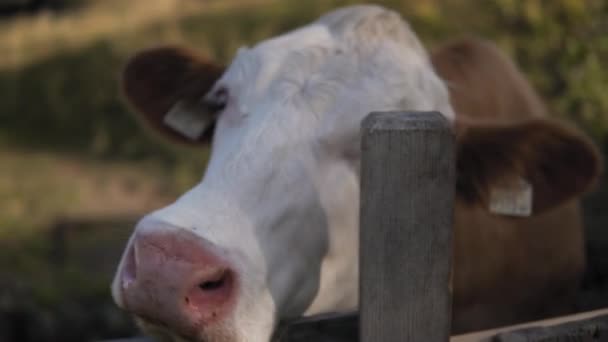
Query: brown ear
164	79
555	159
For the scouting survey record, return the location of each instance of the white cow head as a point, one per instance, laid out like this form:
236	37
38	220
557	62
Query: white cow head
271	230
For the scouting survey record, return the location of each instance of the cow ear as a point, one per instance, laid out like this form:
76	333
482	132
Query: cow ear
165	86
555	161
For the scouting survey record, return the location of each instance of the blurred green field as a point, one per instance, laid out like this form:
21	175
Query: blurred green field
70	152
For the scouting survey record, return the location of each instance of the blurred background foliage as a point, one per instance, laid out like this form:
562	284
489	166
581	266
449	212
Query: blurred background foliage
76	170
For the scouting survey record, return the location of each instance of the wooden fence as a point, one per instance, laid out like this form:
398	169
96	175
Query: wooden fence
407	195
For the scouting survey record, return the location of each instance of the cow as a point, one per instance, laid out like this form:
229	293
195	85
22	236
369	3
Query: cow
510	269
271	231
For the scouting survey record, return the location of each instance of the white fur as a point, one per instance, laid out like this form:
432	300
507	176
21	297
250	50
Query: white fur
281	192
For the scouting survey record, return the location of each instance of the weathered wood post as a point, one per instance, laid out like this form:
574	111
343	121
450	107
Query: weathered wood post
407	194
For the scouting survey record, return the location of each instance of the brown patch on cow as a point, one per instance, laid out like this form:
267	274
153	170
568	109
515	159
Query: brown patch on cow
501	132
156	79
484	84
512	269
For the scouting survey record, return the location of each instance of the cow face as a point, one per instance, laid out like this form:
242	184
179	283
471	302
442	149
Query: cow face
271	230
278	204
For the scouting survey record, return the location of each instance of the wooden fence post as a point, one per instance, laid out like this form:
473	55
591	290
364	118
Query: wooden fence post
407	194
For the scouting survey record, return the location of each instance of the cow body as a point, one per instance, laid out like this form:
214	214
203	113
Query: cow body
272	230
506	269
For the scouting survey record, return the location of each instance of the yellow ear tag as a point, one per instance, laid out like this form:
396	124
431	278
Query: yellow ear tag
512	199
187	119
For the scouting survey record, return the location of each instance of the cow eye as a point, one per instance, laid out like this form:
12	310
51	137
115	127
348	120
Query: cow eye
216	100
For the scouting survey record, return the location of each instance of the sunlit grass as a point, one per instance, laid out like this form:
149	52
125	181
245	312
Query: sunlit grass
36	189
28	39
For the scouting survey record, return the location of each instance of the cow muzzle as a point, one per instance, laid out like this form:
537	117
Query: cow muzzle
172	277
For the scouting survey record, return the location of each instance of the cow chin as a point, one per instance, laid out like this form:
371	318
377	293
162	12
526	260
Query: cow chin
251	321
219	332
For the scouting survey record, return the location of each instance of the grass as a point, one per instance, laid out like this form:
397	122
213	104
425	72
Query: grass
75	187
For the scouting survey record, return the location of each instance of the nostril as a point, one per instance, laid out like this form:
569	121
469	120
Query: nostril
215	282
212	293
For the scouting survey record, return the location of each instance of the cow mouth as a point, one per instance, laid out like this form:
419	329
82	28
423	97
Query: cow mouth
161	331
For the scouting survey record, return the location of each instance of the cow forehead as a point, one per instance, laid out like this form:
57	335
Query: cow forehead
353	29
314	34
338	27
254	69
349	62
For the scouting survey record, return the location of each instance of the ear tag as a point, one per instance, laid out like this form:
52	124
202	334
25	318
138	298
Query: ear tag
512	198
188	119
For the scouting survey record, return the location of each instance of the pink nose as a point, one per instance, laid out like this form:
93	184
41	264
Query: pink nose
178	279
